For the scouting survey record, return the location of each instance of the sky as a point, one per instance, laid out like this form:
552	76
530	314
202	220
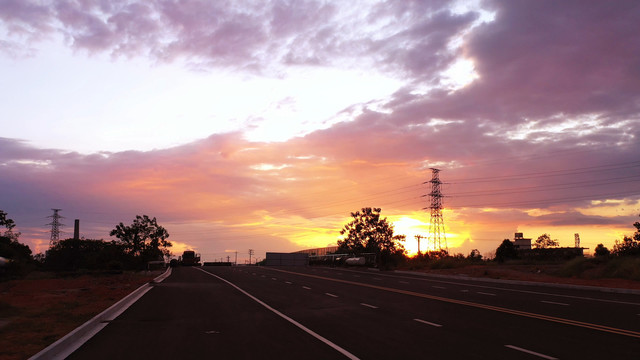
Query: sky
263	124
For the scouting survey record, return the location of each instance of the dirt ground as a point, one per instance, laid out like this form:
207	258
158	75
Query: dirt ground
538	273
37	311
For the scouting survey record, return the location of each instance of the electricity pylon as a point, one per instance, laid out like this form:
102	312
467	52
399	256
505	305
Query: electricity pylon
437	239
55	226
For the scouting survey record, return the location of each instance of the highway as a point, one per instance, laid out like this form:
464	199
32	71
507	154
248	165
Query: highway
336	313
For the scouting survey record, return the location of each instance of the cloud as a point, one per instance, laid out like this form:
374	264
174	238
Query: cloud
549	125
411	39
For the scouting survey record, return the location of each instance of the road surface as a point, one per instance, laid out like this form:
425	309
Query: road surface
334	313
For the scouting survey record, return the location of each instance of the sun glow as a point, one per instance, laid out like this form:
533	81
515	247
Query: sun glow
411	227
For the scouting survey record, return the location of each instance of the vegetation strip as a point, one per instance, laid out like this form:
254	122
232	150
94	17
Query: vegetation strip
604	328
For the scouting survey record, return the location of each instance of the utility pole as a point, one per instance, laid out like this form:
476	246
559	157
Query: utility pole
250	254
437	236
228	258
55	226
236	262
419	237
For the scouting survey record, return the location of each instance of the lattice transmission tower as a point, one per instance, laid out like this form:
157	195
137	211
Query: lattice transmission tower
437	239
55	226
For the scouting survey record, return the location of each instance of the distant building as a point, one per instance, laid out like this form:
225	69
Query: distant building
521	243
523	247
319	251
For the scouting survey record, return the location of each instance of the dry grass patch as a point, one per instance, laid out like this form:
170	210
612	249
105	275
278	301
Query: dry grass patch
37	311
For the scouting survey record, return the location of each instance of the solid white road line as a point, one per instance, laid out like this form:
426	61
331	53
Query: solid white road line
369	306
531	352
304	328
332	295
554	303
428	323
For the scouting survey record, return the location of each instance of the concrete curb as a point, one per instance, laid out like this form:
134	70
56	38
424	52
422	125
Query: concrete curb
528	283
73	340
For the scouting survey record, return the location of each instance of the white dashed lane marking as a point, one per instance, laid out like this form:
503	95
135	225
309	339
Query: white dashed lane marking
369	306
531	352
332	295
427	322
554	303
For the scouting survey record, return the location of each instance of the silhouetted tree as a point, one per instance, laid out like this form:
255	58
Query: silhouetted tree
144	238
368	233
630	245
74	254
544	241
506	251
10	248
601	250
475	255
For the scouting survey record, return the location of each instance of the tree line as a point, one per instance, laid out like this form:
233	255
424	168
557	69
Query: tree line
134	246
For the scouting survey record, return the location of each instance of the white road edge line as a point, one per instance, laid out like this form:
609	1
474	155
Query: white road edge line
304	328
553	303
369	306
428	323
531	352
332	295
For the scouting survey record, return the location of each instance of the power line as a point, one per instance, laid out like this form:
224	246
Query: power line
569	185
574	171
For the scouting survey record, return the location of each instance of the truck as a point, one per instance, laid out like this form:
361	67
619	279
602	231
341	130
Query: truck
190	258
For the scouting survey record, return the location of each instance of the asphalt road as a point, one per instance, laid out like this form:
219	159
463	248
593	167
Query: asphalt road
332	313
